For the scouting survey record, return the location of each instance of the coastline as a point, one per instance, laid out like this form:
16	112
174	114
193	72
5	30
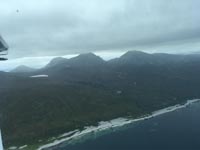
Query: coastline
105	125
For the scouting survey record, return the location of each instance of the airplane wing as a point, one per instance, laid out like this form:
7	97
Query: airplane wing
3	48
3	45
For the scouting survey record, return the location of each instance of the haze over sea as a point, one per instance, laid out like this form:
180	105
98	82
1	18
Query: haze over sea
178	130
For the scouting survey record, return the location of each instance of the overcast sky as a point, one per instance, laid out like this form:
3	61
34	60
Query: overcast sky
35	28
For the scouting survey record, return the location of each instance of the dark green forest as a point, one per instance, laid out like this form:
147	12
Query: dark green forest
84	90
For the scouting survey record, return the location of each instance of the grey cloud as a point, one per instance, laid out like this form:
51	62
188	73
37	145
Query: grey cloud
62	27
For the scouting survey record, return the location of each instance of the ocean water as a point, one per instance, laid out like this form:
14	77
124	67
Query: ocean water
178	130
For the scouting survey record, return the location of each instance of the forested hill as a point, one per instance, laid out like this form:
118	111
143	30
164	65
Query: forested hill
86	89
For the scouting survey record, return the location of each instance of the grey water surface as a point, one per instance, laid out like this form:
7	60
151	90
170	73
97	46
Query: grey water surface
178	130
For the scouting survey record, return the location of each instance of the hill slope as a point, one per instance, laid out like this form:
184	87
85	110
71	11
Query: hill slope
84	90
23	68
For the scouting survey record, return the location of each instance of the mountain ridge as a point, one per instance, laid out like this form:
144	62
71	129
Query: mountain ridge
130	57
85	90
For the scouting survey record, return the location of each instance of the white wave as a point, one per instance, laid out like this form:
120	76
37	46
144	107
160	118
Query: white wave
104	125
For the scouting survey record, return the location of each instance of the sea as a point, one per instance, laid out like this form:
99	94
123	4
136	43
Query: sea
177	130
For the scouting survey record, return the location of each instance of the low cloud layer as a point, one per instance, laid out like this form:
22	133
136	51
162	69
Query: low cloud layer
48	27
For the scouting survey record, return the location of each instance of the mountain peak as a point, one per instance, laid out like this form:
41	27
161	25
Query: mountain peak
56	61
23	68
135	58
87	59
134	53
88	55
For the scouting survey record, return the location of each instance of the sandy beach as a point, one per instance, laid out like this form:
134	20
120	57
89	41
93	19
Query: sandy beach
104	125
